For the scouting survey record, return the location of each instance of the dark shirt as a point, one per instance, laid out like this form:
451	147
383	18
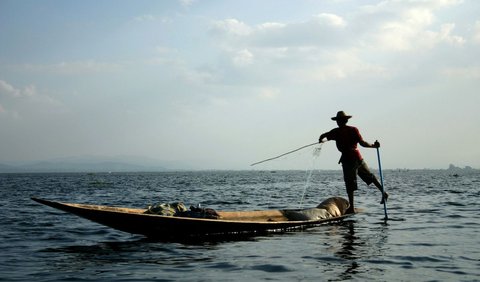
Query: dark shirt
346	139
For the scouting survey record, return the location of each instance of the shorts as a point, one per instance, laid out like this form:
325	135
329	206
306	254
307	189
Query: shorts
350	171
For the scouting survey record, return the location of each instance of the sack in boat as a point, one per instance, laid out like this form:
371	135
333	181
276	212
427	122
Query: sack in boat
306	214
197	212
336	206
331	207
166	209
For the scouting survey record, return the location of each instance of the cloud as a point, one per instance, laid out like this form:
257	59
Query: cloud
446	36
243	58
166	56
476	33
331	19
7	89
15	101
73	67
390	25
187	3
323	30
268	93
149	18
344	64
230	27
332	47
145	18
401	37
463	72
10	97
405	32
411	27
273	45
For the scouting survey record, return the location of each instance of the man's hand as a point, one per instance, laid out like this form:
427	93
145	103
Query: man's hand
376	144
320	140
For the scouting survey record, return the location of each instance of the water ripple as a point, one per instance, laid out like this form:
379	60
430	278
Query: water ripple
437	239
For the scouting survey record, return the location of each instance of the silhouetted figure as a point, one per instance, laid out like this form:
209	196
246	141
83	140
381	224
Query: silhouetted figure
346	138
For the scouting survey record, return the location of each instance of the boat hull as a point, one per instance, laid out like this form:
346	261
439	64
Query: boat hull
135	221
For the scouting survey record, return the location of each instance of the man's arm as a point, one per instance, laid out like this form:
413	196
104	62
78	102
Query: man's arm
322	137
368	145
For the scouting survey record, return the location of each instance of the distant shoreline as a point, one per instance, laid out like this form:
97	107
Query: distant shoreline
455	171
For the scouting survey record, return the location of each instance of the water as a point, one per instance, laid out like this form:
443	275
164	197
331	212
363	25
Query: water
438	239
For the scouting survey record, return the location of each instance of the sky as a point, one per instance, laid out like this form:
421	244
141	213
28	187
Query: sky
221	84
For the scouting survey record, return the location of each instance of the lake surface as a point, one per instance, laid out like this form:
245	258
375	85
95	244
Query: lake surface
433	234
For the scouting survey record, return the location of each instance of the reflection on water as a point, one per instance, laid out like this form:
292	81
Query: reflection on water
349	249
355	246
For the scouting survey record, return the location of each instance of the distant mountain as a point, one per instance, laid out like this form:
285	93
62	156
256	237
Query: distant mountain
452	167
8	168
95	164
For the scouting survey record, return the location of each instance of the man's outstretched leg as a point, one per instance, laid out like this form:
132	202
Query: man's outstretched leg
379	186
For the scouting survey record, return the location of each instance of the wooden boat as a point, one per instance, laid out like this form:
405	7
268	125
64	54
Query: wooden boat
136	221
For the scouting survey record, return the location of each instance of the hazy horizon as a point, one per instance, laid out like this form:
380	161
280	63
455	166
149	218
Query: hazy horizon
139	164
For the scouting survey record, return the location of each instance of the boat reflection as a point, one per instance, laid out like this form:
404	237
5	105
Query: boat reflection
358	245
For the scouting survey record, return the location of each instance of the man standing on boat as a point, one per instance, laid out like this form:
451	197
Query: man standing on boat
346	138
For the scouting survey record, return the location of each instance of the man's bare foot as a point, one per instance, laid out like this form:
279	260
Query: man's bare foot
349	211
384	198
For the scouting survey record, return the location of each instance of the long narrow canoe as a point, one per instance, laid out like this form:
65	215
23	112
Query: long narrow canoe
136	221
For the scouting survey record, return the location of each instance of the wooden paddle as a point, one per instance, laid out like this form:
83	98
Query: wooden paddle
381	182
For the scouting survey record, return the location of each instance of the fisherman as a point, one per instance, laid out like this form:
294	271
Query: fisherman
346	138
